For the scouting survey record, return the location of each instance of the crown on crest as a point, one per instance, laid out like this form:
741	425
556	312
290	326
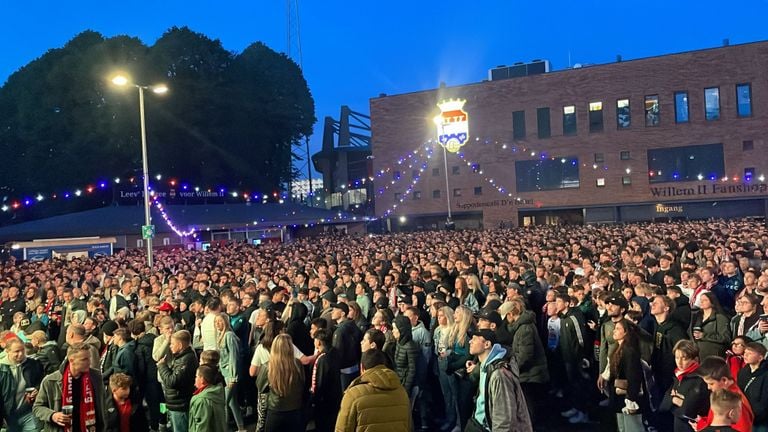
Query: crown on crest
452	105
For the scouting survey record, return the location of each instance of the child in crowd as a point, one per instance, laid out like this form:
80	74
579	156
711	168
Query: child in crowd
715	372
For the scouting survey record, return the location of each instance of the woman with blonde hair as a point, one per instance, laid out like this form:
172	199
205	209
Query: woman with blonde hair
458	341
443	349
281	389
229	353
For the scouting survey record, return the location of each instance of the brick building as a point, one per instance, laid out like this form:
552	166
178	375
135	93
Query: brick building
674	136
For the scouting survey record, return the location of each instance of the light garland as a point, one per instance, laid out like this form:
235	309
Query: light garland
167	219
405	194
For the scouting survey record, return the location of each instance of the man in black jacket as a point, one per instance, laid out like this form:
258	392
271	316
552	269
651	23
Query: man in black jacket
753	381
668	332
9	307
346	340
325	388
177	375
146	371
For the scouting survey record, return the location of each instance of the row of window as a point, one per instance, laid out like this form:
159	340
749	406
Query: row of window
651	108
416	195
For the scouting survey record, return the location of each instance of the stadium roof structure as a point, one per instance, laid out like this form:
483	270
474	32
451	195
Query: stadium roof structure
127	220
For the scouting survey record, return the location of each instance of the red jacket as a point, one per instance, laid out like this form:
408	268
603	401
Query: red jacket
745	420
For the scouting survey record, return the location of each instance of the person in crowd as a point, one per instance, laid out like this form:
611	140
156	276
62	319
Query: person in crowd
76	389
346	340
177	376
529	352
376	399
500	403
726	411
443	349
122	413
714	370
615	308
407	355
753	382
297	329
464	296
572	350
687	399
668	333
125	359
746	321
20	379
325	385
207	408
229	350
735	356
146	371
624	375
75	333
281	382
47	352
711	328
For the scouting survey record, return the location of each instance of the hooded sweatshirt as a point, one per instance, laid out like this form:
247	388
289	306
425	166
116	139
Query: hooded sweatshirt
406	354
497	352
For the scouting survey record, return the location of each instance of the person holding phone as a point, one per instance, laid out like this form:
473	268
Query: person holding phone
688	397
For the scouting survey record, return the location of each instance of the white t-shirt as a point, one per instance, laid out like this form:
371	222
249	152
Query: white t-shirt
261	355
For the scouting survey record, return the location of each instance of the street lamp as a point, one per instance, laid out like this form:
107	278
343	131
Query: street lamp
121	81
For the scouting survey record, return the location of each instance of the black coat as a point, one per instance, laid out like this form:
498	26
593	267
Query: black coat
696	402
667	335
146	368
327	395
112	416
346	339
177	375
50	357
755	388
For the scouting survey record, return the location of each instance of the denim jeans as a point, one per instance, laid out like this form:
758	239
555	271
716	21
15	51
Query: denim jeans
179	420
231	398
26	423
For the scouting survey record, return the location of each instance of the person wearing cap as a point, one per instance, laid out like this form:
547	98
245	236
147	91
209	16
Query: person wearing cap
406	355
615	308
327	299
573	352
491	319
346	340
165	309
499	404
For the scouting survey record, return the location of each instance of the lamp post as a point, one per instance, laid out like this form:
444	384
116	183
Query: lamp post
121	80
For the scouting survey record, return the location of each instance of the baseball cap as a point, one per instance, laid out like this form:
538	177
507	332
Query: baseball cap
491	315
165	307
486	334
330	296
618	300
342	306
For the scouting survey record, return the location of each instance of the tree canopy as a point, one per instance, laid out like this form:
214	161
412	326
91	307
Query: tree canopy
229	119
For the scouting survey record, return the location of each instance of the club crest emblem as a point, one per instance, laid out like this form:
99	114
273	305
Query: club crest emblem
452	124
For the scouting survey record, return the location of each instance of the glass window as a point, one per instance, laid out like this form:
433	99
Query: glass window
744	100
601	182
542	122
415	174
457	192
623	116
747	145
436	193
712	103
688	163
595	116
398	196
396	175
476	167
749	173
478	190
416	195
569	120
652	117
599	157
518	124
547	174
681	107
625	155
435	172
455	170
626	180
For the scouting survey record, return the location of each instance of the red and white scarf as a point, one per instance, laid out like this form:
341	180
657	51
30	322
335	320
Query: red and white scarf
313	388
87	406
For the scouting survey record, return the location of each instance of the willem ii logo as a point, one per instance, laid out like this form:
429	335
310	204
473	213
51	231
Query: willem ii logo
452	124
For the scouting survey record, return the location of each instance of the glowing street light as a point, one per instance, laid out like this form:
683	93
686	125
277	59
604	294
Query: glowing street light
122	81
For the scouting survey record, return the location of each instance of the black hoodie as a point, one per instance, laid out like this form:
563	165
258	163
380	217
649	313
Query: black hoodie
755	388
406	353
298	330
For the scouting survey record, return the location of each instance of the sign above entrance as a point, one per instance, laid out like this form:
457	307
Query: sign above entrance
452	124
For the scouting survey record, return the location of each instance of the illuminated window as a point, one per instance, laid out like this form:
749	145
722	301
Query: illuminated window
749	173
625	155
652	111
478	190
518	125
569	120
712	103
601	182
681	107
542	122
599	157
744	100
623	115
687	163
416	195
595	117
457	192
626	180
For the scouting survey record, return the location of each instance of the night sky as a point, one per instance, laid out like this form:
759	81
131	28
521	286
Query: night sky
353	51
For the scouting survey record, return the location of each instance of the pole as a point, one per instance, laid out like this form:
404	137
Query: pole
309	172
447	187
147	219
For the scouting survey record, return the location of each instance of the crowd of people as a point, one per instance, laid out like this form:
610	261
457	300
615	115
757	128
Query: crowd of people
635	327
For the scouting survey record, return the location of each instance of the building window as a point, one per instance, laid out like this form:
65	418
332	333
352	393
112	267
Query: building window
398	196
626	180
747	145
547	174
139	243
569	120
652	117
415	174
601	182
436	193
396	175
599	157
623	116
712	103
457	192
542	122
416	195
744	100
595	116
518	125
749	173
475	167
455	170
478	190
681	107
686	163
625	155
435	172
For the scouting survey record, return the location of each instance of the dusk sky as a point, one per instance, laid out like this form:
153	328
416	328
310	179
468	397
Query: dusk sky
353	51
